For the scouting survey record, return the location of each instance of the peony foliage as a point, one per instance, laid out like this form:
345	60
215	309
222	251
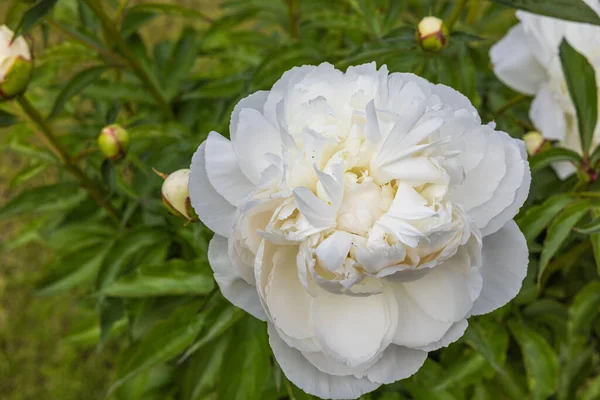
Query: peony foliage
300	199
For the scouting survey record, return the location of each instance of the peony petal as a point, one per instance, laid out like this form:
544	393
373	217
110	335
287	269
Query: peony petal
232	286
255	138
331	366
288	302
342	329
255	101
458	100
517	180
317	212
332	252
372	132
548	116
505	259
446	293
456	331
212	208
412	112
515	64
396	363
224	171
489	202
415	171
308	378
479	186
415	327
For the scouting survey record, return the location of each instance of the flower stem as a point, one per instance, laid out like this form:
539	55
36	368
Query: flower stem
594	195
294	18
94	191
473	13
460	5
114	36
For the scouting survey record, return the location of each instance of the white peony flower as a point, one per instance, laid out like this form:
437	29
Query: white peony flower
527	59
365	216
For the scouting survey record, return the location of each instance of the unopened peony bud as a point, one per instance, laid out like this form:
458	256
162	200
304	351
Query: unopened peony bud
534	141
176	196
432	34
16	64
114	142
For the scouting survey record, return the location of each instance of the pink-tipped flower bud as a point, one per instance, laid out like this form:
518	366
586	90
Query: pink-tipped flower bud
176	196
432	34
114	142
16	64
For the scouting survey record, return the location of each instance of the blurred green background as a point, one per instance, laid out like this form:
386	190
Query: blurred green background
35	361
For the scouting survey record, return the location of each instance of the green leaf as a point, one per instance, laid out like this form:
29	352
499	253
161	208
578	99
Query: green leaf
91	336
128	245
247	362
58	197
595	239
77	83
109	175
110	311
174	278
559	231
86	265
122	91
550	156
26	174
7	119
571	10
492	344
541	363
203	373
584	309
592	391
581	81
162	343
169	9
34	15
461	373
591	228
538	217
220	320
147	385
134	21
180	63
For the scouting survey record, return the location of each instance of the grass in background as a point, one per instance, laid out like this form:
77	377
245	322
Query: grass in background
35	361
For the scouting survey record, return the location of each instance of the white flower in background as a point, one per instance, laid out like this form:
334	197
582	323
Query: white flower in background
527	59
365	216
15	64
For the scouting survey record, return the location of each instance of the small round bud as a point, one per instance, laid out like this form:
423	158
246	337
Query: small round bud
16	64
534	141
432	34
114	142
176	196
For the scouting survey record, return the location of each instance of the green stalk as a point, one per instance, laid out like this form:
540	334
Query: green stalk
294	18
114	36
460	5
94	191
473	13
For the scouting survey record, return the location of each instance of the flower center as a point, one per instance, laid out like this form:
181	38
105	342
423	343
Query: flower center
363	203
